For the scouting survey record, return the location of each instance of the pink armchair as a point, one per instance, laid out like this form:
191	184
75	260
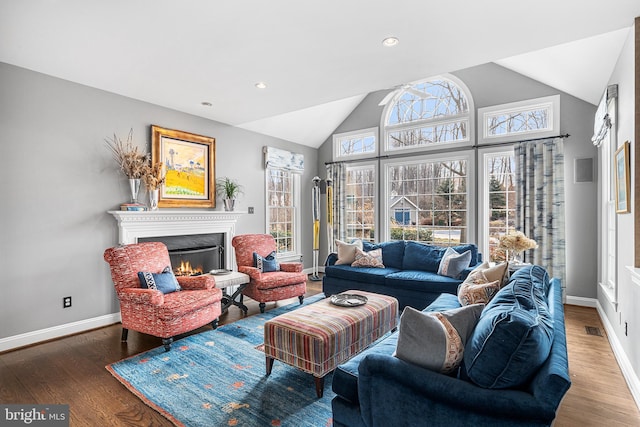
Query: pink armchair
149	310
288	282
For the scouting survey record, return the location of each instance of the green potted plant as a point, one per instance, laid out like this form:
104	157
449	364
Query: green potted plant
228	189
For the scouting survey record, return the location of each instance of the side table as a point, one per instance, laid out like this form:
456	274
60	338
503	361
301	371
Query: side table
227	280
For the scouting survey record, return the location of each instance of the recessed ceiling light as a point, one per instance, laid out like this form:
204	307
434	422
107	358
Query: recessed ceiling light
206	104
261	85
390	41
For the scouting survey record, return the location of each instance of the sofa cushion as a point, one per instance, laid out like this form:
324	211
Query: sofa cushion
347	251
421	256
513	336
392	252
422	281
454	263
436	340
368	259
359	274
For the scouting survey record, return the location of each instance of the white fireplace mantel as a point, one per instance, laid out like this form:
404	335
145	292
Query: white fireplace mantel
171	222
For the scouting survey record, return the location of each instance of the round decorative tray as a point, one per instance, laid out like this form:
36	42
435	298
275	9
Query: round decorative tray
220	272
348	300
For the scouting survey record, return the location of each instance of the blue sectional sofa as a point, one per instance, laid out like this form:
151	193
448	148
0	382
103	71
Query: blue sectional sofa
409	273
511	375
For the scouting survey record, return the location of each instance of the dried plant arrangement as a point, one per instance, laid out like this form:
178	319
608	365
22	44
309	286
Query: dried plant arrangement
153	176
132	162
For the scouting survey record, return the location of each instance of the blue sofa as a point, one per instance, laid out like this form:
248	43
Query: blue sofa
410	273
519	387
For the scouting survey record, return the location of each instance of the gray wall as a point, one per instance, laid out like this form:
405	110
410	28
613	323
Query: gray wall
58	181
491	84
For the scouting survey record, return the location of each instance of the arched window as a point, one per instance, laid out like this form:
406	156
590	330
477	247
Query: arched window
428	114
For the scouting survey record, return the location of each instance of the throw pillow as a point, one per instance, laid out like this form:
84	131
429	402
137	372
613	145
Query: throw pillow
368	259
347	251
164	282
436	340
453	263
477	291
513	337
267	263
490	274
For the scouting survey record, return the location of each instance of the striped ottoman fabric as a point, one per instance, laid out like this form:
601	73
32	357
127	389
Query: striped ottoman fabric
319	337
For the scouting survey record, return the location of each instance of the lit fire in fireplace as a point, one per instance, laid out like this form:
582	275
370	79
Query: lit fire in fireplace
185	269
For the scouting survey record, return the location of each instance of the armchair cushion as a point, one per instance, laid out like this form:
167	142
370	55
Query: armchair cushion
165	281
267	263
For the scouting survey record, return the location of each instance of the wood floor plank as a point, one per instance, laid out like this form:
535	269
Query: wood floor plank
71	370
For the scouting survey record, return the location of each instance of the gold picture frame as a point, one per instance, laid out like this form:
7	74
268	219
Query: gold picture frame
623	181
189	162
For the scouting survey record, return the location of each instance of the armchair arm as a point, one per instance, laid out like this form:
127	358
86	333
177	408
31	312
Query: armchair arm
253	272
291	267
204	281
331	259
141	296
418	393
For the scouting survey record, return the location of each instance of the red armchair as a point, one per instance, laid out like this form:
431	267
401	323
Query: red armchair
149	310
288	282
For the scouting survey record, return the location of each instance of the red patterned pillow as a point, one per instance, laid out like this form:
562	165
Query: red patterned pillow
368	259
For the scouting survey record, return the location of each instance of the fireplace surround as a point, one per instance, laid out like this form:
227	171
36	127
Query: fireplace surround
146	225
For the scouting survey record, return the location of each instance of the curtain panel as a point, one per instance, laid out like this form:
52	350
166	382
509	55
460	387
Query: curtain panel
540	202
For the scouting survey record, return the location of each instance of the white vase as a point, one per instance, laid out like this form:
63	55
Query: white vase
153	199
229	204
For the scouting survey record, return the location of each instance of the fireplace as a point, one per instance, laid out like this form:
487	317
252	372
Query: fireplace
193	254
194	227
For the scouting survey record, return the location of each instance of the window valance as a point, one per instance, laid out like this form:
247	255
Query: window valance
283	159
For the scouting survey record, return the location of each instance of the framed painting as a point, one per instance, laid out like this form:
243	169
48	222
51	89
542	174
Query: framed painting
621	166
189	162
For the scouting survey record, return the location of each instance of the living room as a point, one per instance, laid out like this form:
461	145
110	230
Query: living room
62	180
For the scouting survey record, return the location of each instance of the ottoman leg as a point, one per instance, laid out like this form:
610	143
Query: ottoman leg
269	365
319	386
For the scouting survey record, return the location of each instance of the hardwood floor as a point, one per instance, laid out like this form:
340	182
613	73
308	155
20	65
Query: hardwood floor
71	370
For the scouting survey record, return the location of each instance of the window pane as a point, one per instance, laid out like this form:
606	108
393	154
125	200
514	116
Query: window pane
360	202
428	202
502	198
280	208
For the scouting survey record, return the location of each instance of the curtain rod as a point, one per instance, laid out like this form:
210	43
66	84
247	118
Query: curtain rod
566	135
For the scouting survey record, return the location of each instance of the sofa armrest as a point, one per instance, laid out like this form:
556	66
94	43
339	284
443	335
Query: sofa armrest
419	394
291	267
331	259
203	281
141	296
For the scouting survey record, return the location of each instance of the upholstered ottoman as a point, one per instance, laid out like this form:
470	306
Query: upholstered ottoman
319	337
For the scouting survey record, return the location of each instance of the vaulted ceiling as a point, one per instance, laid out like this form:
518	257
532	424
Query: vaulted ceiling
318	59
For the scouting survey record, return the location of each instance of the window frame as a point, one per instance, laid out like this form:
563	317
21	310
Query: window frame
296	253
364	165
338	137
553	102
387	129
384	205
483	213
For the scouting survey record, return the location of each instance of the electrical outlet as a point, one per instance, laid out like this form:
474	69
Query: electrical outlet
250	209
66	302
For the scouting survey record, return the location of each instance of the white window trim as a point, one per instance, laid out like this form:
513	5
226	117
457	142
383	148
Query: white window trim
383	204
552	102
361	132
296	253
483	190
386	129
376	192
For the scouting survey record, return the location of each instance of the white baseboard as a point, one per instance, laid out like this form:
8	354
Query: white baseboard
581	301
310	270
623	361
29	338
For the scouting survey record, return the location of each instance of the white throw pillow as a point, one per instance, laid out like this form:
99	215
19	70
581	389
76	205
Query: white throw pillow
347	251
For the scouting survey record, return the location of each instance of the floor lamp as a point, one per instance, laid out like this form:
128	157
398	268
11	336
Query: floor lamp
315	211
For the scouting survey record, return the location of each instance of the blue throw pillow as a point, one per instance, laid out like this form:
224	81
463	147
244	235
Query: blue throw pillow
512	338
266	264
164	282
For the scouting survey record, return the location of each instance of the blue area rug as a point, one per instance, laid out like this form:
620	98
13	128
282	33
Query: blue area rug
217	378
